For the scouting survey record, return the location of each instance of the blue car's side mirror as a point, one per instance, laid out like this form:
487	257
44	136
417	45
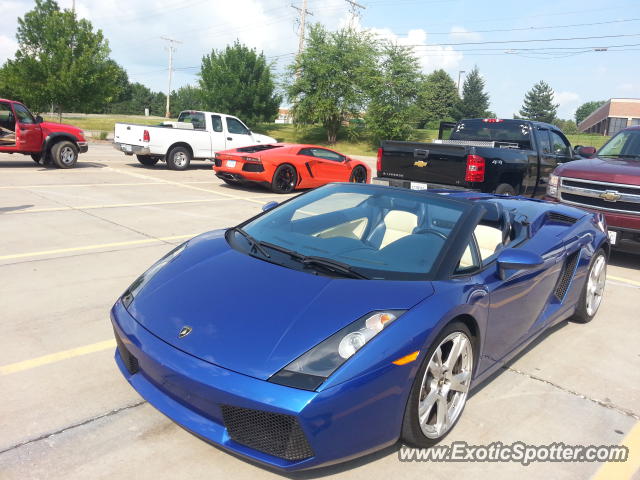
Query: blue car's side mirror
268	206
516	259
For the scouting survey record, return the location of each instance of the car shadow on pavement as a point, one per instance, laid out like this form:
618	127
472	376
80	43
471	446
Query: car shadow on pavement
163	166
33	165
13	209
625	260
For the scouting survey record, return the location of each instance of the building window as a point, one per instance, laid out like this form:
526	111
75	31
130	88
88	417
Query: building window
635	122
616	124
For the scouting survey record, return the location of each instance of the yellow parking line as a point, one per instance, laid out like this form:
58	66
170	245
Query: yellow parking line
623	470
624	280
113	205
56	357
94	247
62	185
171	182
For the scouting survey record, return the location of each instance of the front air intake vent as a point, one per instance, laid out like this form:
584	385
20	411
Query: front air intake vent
272	433
129	360
568	270
560	217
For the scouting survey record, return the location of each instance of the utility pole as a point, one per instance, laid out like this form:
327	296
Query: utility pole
73	6
303	16
354	7
460	73
171	49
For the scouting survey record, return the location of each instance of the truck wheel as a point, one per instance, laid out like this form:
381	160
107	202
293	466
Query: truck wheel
505	189
36	157
147	160
65	154
179	158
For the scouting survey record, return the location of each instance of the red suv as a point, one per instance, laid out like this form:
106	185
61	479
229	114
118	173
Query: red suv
608	183
21	132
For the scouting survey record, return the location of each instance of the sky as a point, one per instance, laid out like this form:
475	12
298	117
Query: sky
454	35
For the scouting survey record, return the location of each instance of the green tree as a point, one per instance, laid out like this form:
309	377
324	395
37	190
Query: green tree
437	98
475	101
186	98
238	81
392	110
538	103
569	127
61	61
136	98
331	80
587	109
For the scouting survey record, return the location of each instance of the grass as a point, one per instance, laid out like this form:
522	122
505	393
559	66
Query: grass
351	141
101	123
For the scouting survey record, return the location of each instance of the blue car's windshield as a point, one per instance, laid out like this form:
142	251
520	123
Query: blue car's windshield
376	232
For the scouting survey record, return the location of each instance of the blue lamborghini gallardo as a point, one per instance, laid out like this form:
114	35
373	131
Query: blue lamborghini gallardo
352	316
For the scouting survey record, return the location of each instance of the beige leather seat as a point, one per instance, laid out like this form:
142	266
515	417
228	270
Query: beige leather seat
488	238
398	224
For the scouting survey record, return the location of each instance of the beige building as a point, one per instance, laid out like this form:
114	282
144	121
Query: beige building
613	116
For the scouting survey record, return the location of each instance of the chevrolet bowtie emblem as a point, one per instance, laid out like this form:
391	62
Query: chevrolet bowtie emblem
610	196
184	331
420	163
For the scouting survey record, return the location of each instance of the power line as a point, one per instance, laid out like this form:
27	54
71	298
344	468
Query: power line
172	42
521	41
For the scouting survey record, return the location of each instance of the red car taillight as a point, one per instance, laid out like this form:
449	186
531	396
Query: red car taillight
475	169
379	162
145	136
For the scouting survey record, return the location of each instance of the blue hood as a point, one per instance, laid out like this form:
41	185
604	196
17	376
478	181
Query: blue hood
251	316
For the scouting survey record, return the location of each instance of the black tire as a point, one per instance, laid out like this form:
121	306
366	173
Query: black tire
179	158
582	314
412	433
358	175
284	179
36	157
64	154
505	189
147	160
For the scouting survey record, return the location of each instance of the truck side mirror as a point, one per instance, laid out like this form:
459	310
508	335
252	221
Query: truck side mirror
584	151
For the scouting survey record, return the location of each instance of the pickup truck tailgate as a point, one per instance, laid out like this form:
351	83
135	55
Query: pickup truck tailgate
425	162
129	134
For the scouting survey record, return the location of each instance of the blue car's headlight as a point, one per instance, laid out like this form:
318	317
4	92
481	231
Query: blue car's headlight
143	279
310	369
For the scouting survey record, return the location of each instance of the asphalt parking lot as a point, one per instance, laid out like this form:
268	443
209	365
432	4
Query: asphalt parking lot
71	242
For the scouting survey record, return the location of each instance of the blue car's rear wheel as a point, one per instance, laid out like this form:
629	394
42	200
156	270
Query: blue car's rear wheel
593	290
440	388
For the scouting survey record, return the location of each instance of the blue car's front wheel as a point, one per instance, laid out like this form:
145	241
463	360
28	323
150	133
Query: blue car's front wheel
440	388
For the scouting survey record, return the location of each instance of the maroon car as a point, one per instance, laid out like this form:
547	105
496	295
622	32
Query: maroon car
608	183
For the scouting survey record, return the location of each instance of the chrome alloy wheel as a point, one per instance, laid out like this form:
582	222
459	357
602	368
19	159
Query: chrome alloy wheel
180	159
67	156
595	285
445	385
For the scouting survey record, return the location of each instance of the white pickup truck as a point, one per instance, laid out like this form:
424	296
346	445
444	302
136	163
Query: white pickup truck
195	136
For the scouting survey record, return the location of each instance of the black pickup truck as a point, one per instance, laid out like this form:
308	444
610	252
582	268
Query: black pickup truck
509	157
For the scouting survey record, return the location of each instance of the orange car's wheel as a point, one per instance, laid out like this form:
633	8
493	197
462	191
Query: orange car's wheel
358	175
284	179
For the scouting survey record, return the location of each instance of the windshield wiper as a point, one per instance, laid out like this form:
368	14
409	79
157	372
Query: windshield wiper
286	251
332	266
255	244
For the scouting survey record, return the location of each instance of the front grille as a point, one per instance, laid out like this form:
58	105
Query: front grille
601	203
566	275
611	197
601	186
129	360
272	433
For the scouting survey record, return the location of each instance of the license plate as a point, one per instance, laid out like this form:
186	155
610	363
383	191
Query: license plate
419	186
127	148
613	237
231	163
